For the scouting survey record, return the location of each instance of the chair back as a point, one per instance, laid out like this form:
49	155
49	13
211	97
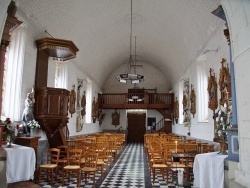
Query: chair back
205	148
168	149
63	151
53	156
157	155
91	159
71	144
78	143
191	147
74	156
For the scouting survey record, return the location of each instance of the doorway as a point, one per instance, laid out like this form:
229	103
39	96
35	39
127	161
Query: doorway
136	127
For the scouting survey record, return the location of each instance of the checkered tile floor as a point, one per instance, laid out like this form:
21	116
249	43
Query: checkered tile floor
129	170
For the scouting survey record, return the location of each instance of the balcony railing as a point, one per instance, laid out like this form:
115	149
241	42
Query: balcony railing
136	100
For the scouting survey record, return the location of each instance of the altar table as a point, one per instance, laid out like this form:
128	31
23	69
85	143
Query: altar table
209	170
21	162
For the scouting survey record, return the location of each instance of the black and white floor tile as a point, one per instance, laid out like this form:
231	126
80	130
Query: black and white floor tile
129	170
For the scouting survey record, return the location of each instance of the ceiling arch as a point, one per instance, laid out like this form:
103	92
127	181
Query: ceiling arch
170	34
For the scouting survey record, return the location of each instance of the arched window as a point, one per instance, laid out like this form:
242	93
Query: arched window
61	74
88	101
202	93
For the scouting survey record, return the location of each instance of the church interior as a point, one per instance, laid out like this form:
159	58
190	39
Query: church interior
124	93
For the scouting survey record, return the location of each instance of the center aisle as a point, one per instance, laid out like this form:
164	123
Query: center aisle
129	170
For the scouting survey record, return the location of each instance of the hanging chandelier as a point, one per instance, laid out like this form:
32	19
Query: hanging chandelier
130	73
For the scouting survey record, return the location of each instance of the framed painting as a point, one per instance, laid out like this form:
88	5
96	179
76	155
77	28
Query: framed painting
224	83
212	91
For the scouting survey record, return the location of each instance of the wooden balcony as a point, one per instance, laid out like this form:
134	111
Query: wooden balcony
136	101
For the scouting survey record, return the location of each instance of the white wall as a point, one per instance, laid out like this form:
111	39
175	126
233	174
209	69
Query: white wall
238	16
154	113
154	78
74	73
3	14
204	130
107	123
29	69
213	59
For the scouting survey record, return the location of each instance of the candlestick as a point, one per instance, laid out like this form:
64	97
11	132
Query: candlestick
176	146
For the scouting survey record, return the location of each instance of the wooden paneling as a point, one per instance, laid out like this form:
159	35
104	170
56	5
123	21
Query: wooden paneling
41	69
51	111
51	107
54	104
51	101
58	48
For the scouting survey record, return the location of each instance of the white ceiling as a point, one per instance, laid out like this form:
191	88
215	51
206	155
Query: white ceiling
170	33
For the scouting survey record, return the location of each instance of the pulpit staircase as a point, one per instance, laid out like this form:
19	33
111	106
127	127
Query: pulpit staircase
165	124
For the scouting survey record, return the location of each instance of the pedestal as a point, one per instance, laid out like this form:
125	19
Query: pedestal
233	145
28	141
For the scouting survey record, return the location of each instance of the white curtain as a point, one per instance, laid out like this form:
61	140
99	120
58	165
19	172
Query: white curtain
62	79
89	102
202	97
14	71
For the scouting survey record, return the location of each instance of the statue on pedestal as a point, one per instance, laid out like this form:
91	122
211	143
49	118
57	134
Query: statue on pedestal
28	113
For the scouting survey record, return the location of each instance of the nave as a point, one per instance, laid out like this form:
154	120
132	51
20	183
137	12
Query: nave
131	169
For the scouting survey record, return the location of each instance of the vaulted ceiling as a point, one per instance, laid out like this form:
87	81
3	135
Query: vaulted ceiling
170	34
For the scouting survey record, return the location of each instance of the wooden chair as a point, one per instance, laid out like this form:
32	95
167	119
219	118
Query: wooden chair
158	156
190	163
109	154
158	163
62	161
90	167
52	164
102	160
206	148
113	147
191	147
73	165
71	144
78	143
173	166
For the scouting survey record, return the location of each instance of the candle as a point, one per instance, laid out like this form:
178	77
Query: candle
176	146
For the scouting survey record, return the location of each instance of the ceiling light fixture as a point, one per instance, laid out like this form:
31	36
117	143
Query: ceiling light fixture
130	73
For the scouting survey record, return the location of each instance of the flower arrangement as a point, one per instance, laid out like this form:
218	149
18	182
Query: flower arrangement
33	124
10	130
223	121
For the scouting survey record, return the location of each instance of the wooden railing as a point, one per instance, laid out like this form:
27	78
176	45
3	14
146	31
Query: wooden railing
136	100
159	125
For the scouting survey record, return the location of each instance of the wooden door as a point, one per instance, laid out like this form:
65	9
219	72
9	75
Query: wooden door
136	127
